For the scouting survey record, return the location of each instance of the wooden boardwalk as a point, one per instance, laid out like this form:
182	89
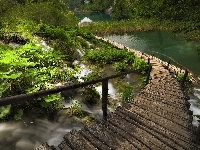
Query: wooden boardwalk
158	118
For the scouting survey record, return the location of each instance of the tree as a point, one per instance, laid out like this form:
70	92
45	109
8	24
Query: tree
122	10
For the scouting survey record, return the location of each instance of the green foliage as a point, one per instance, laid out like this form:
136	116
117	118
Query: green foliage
120	66
90	95
45	12
139	64
179	77
181	15
30	68
19	114
75	110
52	97
3	87
121	59
127	94
4	111
91	76
188	85
98	5
142	81
122	10
108	56
64	39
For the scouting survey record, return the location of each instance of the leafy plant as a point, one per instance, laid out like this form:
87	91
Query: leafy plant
91	96
4	111
45	12
142	81
91	76
127	94
120	66
29	68
75	110
108	55
19	114
139	64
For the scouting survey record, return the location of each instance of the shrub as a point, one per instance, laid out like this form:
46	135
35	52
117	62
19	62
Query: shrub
28	69
91	96
75	110
109	56
127	94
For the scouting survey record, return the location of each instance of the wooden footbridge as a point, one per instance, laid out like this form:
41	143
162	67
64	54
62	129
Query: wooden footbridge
158	118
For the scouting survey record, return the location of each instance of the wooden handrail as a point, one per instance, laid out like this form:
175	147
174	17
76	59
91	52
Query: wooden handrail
181	66
42	93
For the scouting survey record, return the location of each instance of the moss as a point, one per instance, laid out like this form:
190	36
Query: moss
91	96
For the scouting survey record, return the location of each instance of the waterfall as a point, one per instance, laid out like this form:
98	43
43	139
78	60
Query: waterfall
194	105
79	54
84	20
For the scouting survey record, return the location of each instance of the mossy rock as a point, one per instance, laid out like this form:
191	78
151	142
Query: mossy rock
90	96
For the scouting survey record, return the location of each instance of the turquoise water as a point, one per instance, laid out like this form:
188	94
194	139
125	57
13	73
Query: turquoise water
187	53
94	16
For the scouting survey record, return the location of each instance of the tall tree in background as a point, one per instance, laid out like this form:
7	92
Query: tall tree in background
98	5
122	10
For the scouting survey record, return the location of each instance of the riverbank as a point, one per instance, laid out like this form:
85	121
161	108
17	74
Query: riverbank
139	24
172	68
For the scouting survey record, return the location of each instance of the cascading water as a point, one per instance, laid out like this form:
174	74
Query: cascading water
84	20
195	105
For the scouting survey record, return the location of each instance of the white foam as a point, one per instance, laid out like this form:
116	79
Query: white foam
194	106
85	20
45	46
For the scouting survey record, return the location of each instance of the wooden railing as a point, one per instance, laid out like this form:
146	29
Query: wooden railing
42	93
186	70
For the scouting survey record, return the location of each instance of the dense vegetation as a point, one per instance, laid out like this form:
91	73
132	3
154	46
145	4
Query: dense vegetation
41	54
38	45
182	16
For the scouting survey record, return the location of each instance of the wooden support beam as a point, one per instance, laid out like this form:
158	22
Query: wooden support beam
148	74
104	98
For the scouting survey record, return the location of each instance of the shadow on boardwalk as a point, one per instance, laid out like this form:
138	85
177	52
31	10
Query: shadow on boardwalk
158	118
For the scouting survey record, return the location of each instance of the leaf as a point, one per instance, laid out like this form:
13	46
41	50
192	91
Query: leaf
53	97
44	104
19	114
4	110
12	76
4	87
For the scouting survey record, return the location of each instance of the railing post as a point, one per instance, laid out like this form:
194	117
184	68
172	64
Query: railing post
152	55
104	98
142	55
184	78
148	74
168	63
148	60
